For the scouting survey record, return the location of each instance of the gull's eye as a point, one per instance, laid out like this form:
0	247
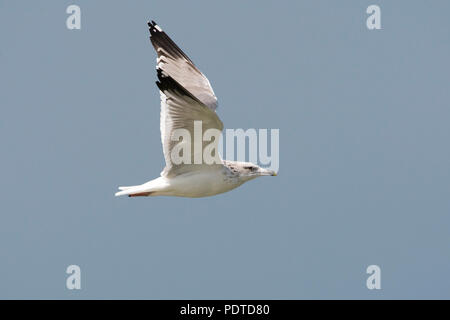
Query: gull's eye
251	168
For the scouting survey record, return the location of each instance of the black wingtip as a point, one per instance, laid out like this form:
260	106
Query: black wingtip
153	27
152	24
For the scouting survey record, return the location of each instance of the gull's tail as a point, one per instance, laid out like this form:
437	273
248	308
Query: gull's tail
151	188
128	190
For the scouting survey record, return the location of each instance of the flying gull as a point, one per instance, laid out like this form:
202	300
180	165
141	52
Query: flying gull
187	99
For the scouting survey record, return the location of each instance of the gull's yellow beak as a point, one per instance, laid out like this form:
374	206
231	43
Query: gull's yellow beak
274	174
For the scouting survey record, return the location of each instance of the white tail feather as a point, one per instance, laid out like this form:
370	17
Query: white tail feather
130	190
125	188
151	186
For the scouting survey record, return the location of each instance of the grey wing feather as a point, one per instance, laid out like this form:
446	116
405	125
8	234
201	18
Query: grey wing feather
175	63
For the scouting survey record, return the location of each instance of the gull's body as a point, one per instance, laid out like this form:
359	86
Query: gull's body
187	96
199	183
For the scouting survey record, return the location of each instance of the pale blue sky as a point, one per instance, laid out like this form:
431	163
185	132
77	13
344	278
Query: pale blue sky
364	151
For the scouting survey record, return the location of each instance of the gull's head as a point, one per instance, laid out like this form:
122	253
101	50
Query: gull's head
248	170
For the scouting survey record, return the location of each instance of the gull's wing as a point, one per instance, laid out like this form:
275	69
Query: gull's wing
176	64
186	96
